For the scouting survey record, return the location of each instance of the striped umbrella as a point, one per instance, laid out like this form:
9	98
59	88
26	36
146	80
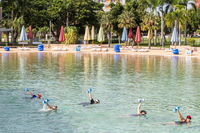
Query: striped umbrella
175	37
23	35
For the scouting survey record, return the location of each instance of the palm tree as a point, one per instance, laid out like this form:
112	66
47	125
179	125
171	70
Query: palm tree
127	20
150	23
108	26
153	5
177	18
16	25
187	3
164	8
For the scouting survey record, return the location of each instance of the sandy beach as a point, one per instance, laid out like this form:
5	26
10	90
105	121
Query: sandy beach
156	51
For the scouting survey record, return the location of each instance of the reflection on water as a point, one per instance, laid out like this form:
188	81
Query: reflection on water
119	80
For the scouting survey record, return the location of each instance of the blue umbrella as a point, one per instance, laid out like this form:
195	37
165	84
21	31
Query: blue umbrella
175	37
124	35
23	35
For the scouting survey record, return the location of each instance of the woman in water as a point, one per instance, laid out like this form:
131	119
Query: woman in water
139	111
182	119
92	101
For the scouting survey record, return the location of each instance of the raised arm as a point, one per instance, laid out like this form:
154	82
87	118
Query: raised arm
180	116
30	93
139	108
90	96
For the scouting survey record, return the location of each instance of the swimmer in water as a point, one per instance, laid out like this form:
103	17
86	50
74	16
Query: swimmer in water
92	101
139	111
51	107
39	96
182	119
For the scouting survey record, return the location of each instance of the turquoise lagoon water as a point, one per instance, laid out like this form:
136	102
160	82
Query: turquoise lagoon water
118	81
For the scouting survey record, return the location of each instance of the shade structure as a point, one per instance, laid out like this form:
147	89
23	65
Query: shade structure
124	35
130	33
175	37
150	34
23	36
30	33
101	36
92	33
62	34
87	34
138	35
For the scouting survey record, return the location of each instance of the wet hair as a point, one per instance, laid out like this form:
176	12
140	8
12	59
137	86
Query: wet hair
143	111
97	101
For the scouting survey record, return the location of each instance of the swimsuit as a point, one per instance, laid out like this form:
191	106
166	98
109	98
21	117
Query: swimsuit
92	101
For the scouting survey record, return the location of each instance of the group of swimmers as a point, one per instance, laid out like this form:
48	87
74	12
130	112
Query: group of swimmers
140	112
46	105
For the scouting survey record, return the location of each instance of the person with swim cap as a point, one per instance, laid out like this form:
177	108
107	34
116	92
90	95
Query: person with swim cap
52	107
182	119
139	111
39	96
45	102
92	101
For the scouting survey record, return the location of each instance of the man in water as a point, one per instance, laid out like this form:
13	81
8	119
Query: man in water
51	107
92	101
182	119
139	111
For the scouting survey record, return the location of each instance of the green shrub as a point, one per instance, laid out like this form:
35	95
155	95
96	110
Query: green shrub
71	35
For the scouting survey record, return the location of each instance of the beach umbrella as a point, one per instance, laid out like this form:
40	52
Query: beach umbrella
30	33
130	33
175	37
124	35
150	36
92	34
101	36
23	35
62	34
87	34
138	36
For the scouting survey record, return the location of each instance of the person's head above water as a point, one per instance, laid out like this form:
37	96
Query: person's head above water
39	96
97	101
188	118
143	112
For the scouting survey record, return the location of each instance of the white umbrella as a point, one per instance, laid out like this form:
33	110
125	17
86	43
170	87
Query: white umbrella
175	38
23	35
101	36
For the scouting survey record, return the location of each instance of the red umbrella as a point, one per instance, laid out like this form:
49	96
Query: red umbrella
30	33
130	34
138	35
62	35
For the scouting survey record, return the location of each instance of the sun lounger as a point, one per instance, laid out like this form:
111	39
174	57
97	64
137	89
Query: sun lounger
23	48
59	49
134	50
143	50
104	49
168	50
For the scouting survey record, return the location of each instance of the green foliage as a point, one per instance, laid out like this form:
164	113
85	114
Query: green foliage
126	19
43	31
150	22
71	35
